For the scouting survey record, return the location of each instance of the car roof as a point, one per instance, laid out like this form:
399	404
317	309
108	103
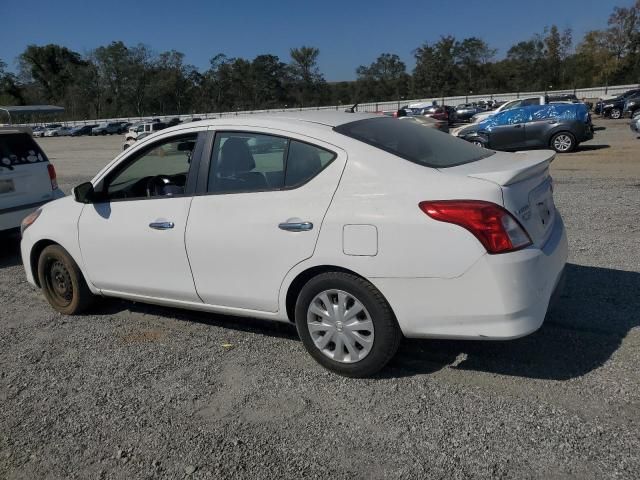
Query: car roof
11	129
319	118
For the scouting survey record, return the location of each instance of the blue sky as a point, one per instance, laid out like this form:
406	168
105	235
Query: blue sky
348	33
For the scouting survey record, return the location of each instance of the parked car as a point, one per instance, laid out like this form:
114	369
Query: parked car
613	107
139	131
106	128
27	179
60	131
82	130
520	102
314	232
37	131
561	127
40	131
631	106
635	124
465	111
124	127
445	113
173	122
628	93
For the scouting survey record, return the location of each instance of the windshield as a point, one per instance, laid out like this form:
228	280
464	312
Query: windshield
413	142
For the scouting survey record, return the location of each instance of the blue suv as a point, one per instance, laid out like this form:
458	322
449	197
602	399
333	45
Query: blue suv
559	126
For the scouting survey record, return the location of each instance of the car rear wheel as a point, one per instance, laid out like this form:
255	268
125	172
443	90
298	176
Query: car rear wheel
563	142
346	324
62	282
616	113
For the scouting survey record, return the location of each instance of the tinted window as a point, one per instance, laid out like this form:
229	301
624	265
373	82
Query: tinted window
18	149
512	117
531	101
160	170
244	162
515	104
305	162
413	142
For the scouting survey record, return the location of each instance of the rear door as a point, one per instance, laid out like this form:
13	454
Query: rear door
542	120
255	219
24	174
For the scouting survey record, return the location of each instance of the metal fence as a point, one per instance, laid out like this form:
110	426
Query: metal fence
586	93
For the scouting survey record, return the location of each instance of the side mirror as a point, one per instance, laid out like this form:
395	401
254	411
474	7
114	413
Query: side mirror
84	193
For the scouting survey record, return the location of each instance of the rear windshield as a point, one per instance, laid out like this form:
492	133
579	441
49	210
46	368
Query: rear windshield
414	142
19	149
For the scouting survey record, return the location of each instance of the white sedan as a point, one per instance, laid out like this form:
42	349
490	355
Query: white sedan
57	132
358	228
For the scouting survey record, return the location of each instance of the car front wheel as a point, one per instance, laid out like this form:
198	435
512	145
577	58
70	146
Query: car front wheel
62	282
346	324
563	142
616	113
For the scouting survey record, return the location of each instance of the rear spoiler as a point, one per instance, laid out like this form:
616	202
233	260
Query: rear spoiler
506	169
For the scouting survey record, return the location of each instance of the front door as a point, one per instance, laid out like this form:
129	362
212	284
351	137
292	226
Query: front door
132	241
507	131
261	215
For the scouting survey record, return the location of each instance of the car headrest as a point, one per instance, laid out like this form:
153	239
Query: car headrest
235	157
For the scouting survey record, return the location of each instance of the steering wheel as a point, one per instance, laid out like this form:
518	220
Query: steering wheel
154	182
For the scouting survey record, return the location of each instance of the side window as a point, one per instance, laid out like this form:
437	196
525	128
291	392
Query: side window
159	171
252	162
511	117
305	162
513	105
531	101
245	162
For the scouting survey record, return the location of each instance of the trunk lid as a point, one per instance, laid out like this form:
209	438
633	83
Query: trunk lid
526	185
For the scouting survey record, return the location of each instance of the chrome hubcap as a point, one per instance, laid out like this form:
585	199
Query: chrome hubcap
562	143
340	326
615	114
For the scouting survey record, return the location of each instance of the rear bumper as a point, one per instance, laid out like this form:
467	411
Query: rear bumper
11	218
500	297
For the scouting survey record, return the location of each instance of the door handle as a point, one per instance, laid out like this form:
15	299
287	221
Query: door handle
296	226
161	225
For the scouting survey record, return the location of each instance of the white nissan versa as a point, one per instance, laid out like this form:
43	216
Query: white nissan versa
358	228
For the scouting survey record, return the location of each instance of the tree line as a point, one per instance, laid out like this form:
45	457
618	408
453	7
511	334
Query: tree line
119	80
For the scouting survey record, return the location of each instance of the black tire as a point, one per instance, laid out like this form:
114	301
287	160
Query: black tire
563	146
616	113
387	336
62	282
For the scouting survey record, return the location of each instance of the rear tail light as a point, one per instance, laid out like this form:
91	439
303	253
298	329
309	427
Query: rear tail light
52	176
492	225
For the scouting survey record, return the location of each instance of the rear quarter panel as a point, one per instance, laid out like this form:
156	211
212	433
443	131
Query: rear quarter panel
382	190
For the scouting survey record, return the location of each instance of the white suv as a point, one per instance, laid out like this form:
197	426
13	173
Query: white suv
27	179
138	131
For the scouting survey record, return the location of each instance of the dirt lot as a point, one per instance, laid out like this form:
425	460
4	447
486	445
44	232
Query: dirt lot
134	391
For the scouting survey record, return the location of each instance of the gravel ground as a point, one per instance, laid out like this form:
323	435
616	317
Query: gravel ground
135	391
